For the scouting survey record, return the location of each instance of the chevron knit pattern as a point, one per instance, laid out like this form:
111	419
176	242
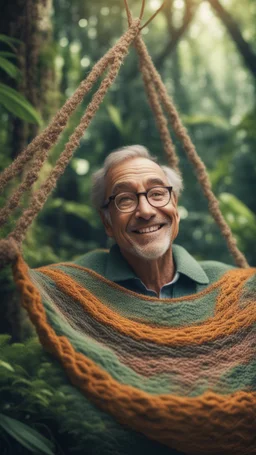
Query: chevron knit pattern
180	371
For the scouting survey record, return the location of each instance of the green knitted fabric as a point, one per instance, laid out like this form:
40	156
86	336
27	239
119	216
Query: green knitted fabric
217	360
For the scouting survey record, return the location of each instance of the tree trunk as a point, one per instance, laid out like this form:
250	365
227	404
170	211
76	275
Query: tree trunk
28	21
232	27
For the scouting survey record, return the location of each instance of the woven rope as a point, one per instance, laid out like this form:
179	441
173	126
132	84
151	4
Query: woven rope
157	110
152	77
157	93
39	198
49	136
41	145
155	105
44	142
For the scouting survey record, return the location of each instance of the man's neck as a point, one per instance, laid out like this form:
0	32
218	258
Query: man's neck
153	273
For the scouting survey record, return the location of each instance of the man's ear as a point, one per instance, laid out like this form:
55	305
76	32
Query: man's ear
174	199
106	223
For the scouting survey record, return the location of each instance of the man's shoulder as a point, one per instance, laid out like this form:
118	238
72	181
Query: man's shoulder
94	260
215	269
203	272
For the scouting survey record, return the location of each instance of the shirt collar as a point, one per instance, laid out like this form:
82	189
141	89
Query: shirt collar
118	269
188	266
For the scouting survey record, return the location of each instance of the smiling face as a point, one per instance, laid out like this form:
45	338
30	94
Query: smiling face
148	232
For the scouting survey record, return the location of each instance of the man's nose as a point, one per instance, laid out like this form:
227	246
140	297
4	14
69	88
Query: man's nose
144	209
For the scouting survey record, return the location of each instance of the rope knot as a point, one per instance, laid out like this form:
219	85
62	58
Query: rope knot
9	251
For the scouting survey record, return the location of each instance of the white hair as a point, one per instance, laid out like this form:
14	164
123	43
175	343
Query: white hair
124	154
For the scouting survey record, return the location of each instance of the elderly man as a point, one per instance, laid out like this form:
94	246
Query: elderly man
137	201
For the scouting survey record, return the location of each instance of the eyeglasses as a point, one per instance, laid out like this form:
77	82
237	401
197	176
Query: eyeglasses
158	196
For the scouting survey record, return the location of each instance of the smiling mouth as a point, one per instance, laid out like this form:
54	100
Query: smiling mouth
149	230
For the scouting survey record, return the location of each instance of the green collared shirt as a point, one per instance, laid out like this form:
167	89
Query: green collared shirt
190	278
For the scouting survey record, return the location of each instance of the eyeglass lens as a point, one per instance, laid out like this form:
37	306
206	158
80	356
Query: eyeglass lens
157	197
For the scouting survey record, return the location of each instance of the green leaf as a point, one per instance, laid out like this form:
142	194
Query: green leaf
9	68
80	210
6	365
248	124
115	116
47	392
7	54
75	208
22	381
15	103
197	120
240	218
240	211
26	436
4	339
9	41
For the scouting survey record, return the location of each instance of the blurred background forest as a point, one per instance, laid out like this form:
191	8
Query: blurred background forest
205	52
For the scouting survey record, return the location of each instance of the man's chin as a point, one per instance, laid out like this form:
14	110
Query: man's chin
150	252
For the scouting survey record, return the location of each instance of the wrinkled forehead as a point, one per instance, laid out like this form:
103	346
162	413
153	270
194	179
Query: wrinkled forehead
134	173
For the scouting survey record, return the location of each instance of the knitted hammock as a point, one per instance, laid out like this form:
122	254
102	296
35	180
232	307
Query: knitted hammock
182	372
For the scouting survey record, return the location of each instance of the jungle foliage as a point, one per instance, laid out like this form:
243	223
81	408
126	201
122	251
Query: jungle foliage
40	412
205	52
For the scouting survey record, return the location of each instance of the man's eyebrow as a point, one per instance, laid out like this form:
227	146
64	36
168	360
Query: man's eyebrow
155	181
123	186
128	186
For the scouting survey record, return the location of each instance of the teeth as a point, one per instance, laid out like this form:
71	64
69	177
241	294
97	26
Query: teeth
149	229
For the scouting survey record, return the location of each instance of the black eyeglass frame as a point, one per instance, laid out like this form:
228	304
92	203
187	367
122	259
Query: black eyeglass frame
144	193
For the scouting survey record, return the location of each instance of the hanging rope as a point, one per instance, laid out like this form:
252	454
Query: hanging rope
160	118
40	197
49	137
115	59
41	145
157	94
161	121
190	151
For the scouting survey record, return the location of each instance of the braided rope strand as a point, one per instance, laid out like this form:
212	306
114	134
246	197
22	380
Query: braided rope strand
39	198
157	110
49	137
193	157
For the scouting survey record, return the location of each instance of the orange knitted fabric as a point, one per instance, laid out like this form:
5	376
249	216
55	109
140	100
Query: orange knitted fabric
212	422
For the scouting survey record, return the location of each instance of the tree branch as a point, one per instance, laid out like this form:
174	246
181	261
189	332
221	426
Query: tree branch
232	27
176	33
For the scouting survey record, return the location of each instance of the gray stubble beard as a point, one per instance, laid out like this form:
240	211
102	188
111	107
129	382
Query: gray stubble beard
159	251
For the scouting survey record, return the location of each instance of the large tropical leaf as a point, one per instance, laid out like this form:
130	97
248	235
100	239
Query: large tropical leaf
240	218
248	124
207	120
6	365
9	41
26	436
83	211
9	68
115	116
6	54
15	103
